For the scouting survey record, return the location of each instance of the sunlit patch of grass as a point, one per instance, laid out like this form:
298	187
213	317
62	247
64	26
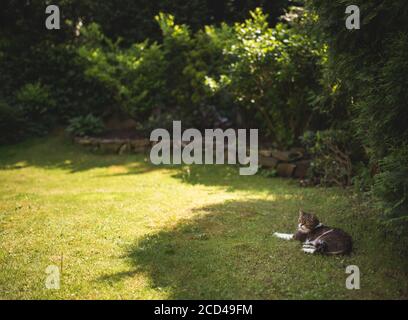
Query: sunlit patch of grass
121	228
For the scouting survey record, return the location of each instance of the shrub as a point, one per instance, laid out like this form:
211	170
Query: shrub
152	82
29	112
74	93
13	127
35	101
391	185
191	59
36	105
60	71
85	126
331	164
214	77
133	77
273	74
176	45
372	68
24	40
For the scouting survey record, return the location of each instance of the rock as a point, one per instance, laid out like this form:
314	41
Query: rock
112	146
287	156
295	155
285	169
84	141
301	169
298	150
268	162
265	153
280	155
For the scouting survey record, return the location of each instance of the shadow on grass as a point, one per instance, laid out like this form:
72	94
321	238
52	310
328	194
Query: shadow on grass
60	153
227	252
228	177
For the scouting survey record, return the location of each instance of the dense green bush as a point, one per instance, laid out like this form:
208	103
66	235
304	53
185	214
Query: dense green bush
13	127
153	82
276	71
35	101
331	164
214	75
60	70
85	126
371	65
206	66
191	59
391	183
131	20
182	76
132	77
29	52
28	112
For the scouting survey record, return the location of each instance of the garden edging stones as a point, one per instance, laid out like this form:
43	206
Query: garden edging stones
288	164
114	146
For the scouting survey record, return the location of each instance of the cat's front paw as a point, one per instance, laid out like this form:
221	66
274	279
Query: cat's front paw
307	248
285	236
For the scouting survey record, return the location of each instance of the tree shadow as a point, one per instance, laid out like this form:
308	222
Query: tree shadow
61	153
228	252
228	177
58	152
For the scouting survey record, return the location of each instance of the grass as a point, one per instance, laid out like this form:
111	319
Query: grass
123	229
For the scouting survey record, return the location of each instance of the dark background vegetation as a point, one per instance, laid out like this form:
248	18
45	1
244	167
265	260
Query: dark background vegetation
289	68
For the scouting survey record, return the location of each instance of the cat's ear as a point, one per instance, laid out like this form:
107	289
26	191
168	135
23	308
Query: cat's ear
301	212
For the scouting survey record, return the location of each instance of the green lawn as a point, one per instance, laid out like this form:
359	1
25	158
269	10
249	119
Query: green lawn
126	229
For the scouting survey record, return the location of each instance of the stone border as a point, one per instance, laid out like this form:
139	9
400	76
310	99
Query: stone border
288	164
114	146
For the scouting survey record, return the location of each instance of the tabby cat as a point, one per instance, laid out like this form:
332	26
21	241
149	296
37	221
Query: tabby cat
318	238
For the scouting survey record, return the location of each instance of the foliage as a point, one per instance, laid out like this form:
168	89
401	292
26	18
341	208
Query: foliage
27	112
371	67
23	39
132	77
191	60
206	66
273	74
85	126
177	43
60	72
34	100
331	163
131	20
211	76
156	82
391	185
12	124
186	75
